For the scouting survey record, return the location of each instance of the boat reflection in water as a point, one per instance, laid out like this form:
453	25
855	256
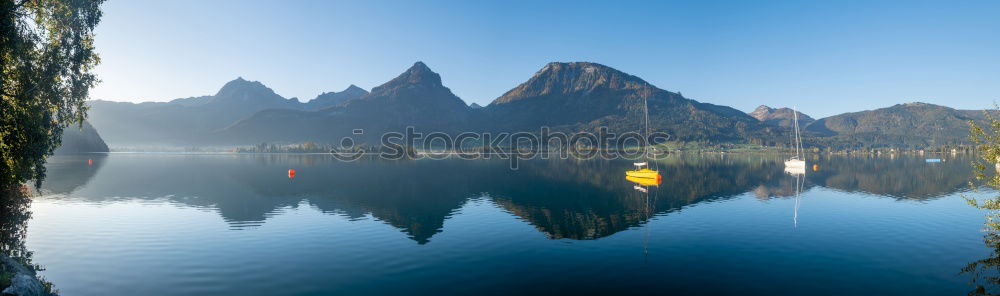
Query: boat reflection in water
643	186
644	181
799	173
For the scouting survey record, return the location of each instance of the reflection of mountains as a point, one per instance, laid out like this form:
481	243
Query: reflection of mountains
562	198
592	199
67	173
904	178
899	177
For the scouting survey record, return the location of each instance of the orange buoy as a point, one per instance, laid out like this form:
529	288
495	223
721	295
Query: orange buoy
90	162
291	173
815	167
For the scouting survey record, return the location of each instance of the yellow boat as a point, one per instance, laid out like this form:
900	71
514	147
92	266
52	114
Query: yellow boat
644	181
641	172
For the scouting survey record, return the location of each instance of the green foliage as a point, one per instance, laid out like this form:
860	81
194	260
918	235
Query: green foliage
47	52
986	272
987	141
48	286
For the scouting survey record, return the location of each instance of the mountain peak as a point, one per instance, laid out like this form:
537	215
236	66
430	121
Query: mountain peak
329	99
239	84
762	112
419	64
580	68
418	75
247	92
416	90
919	104
779	116
352	90
574	77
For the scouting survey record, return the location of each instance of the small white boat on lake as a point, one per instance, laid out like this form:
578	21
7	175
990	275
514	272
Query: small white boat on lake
795	171
796	161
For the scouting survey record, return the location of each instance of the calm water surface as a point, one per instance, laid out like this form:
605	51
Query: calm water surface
182	224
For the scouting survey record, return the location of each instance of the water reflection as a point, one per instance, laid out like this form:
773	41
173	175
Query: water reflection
71	172
799	174
901	177
573	199
14	215
985	273
646	189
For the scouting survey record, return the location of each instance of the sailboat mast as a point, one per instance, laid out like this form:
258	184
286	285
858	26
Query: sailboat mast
645	109
798	140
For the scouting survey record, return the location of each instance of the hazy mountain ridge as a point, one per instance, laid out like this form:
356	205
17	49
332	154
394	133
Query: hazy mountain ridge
192	121
564	96
331	99
81	139
569	97
415	98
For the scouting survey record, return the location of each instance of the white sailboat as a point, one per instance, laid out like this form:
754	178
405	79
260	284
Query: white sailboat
797	161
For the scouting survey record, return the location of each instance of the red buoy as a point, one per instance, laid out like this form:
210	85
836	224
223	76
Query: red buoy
90	162
291	173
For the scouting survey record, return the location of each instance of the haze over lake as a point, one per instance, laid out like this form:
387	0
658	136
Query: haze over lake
236	224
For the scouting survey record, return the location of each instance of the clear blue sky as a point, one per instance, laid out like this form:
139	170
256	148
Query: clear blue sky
826	57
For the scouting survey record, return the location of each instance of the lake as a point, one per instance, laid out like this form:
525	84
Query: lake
236	224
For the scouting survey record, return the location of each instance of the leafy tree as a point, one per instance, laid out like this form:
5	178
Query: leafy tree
47	51
986	272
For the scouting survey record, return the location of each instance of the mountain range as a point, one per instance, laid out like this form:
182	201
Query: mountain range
905	125
415	98
568	97
190	121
